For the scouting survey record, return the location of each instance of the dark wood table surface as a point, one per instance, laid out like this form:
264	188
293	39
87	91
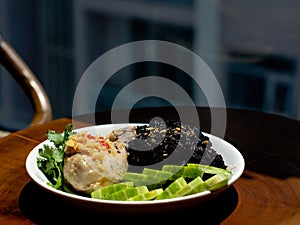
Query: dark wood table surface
268	192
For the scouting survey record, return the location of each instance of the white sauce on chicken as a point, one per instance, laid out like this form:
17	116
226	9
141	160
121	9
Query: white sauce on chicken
93	162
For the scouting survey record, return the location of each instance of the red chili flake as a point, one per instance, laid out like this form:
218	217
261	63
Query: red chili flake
99	139
89	136
103	142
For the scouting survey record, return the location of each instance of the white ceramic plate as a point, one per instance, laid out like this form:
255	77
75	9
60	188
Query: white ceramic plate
232	157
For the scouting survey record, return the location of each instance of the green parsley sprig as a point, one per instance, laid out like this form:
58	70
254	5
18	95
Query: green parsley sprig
51	157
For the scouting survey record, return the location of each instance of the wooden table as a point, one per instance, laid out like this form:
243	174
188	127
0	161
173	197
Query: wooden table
267	193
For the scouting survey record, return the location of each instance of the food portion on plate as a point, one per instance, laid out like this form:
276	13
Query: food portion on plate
92	162
170	182
97	166
152	143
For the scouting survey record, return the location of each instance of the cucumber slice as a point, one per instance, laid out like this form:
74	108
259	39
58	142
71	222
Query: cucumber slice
157	176
147	195
172	189
105	192
151	183
195	186
138	179
210	169
199	187
150	177
174	169
216	182
192	172
127	193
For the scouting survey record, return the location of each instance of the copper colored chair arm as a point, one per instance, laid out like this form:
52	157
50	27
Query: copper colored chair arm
14	64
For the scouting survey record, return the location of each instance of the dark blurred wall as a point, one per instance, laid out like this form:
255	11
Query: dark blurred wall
251	46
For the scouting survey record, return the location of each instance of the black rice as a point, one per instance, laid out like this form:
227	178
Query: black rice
159	140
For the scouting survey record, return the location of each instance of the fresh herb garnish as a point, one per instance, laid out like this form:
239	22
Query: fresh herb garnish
51	158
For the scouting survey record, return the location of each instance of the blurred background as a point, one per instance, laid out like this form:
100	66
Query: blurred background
252	47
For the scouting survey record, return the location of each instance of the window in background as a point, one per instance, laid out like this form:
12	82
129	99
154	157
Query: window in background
102	27
262	82
55	30
18	27
41	32
253	49
142	30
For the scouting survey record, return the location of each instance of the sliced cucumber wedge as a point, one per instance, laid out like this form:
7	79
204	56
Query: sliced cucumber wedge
157	176
192	172
209	169
127	193
174	169
195	186
169	182
105	192
217	181
147	195
172	189
138	179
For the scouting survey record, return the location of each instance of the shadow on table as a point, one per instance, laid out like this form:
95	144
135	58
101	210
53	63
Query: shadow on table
41	207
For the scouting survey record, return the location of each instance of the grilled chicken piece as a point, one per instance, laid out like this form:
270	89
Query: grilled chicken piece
124	134
93	162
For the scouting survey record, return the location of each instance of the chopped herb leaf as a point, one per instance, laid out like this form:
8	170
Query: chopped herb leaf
51	158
